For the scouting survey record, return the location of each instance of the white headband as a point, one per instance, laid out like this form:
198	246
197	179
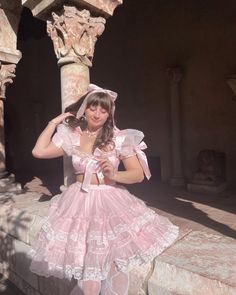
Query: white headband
92	88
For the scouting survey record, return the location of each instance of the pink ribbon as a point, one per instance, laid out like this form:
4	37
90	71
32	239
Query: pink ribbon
143	158
88	175
91	167
92	88
95	88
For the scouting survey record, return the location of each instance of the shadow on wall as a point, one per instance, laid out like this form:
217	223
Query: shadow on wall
7	246
32	100
14	259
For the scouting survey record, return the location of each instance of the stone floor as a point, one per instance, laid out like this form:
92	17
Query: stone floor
199	211
196	211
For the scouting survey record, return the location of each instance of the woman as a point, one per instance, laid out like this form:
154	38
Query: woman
96	231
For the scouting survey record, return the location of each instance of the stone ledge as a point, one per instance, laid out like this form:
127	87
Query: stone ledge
198	264
20	215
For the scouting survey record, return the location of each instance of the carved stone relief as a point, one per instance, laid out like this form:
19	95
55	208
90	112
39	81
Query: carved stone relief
7	73
75	33
210	167
210	173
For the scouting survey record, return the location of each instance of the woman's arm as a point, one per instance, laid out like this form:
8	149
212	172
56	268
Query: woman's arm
133	171
44	147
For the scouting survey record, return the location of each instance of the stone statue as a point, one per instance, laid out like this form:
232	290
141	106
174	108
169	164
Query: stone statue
210	168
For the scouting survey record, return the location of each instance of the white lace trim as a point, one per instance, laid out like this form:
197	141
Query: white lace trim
124	265
101	239
141	258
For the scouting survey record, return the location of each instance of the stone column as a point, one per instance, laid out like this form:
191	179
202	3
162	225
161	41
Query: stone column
175	76
74	33
7	73
10	12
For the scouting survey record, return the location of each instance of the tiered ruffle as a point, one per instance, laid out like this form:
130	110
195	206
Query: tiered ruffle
84	233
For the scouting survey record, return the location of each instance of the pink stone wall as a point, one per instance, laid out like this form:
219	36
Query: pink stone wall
7	34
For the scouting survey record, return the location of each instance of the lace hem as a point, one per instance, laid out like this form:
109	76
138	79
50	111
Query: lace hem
124	265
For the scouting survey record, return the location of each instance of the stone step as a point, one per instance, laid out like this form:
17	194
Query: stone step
198	264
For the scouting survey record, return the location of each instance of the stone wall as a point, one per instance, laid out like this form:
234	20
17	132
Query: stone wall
199	36
139	43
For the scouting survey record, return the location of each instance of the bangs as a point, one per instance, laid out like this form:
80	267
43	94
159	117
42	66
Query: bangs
100	99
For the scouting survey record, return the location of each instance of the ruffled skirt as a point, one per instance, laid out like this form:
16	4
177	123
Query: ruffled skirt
85	233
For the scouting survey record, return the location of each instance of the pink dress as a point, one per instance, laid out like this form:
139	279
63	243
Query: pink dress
90	227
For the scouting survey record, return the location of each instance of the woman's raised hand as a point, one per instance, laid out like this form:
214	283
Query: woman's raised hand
57	120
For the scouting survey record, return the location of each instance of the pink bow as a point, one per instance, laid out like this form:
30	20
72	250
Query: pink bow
91	168
92	88
143	158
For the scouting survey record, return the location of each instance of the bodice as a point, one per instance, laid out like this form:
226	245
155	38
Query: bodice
127	143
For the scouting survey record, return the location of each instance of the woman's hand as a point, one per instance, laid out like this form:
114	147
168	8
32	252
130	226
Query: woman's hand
107	168
44	147
60	118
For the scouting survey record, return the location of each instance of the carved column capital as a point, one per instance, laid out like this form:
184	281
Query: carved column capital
74	34
175	74
7	73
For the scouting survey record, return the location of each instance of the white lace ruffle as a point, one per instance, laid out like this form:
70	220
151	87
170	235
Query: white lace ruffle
101	239
124	265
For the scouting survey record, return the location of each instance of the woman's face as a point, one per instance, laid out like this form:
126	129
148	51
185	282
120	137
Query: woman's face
96	116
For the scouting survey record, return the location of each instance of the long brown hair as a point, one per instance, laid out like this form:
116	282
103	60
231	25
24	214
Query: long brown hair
104	138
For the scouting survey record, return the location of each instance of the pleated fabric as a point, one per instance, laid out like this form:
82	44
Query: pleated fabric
85	233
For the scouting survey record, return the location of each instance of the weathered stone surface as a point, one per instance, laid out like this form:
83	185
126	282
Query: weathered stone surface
74	34
17	223
49	286
22	261
22	220
198	264
175	75
22	284
7	73
74	83
6	253
7	183
43	8
138	278
9	21
10	12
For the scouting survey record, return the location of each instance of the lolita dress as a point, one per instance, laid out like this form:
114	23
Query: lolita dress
89	227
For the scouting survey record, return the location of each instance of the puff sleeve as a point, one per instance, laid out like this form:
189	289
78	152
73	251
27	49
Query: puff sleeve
129	142
63	138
